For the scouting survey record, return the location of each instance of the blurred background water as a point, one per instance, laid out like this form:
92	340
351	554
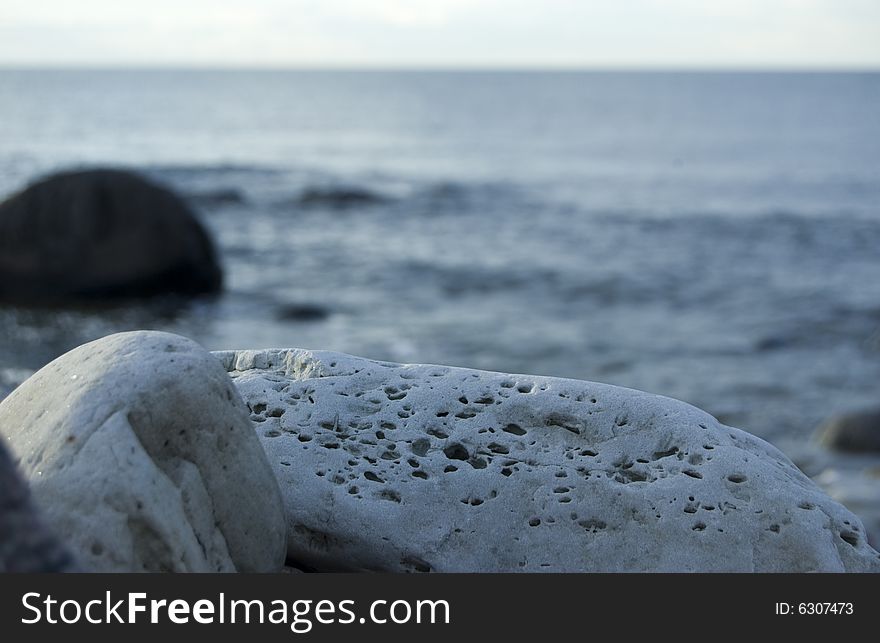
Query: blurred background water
708	236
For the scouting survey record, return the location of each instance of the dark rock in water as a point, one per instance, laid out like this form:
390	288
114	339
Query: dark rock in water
858	432
302	312
772	343
101	234
217	198
339	198
26	544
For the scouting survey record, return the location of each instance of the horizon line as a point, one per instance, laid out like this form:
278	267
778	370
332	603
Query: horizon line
592	68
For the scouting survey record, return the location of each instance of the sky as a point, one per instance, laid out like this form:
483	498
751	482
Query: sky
441	33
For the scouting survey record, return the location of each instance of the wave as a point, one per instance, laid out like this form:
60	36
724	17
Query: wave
340	197
468	279
458	197
220	197
188	171
413	199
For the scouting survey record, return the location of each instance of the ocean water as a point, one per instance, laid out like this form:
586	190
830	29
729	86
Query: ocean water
713	237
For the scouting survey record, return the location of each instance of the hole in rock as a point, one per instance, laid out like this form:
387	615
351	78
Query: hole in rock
420	447
456	452
389	494
416	564
593	525
665	454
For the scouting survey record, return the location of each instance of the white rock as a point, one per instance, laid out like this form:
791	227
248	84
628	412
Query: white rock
415	468
140	452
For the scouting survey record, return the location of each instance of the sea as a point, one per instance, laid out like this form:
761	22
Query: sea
709	236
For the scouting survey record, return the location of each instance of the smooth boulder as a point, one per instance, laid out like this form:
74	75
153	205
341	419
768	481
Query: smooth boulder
421	468
98	235
140	452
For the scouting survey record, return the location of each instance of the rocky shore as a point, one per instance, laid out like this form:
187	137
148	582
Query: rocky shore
143	452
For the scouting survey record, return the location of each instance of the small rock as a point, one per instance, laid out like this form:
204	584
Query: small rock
773	343
858	432
101	235
302	312
419	468
140	452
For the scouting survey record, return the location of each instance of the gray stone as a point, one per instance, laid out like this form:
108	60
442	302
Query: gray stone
140	452
857	432
430	468
101	235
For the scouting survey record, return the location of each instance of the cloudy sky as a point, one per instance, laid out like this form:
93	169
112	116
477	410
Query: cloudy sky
441	33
